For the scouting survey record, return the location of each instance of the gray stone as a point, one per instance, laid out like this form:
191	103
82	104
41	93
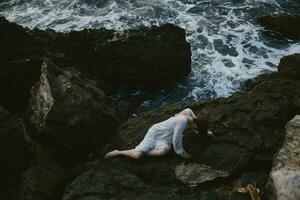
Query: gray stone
285	174
193	174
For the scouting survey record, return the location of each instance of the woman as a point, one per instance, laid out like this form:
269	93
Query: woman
161	136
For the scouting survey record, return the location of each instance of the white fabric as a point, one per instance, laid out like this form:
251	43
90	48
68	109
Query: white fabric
166	133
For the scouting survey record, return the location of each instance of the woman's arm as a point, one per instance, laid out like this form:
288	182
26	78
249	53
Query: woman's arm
188	112
178	137
191	113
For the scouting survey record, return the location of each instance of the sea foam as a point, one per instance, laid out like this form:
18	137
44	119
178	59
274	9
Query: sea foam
228	46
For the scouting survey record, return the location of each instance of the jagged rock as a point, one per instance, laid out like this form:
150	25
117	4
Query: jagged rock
68	114
39	182
285	24
113	58
16	79
14	154
193	174
285	174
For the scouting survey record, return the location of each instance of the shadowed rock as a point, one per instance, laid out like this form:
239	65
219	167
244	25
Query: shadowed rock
286	24
147	56
68	114
95	185
40	181
14	154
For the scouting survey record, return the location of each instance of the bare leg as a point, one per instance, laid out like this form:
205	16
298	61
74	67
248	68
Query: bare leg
128	153
158	152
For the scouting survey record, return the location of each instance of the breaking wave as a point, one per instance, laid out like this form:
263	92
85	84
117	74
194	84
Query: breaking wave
228	46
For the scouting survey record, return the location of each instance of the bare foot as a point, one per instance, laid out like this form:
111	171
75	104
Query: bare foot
112	154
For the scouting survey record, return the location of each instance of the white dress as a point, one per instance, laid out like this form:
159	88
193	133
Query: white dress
166	133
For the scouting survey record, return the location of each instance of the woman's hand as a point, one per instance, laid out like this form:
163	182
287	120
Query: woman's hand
210	134
186	155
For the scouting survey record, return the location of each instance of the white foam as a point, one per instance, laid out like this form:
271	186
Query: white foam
231	23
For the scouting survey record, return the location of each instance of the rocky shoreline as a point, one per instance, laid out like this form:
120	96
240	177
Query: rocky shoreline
142	57
56	82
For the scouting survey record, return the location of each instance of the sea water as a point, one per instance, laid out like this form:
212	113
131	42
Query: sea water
228	46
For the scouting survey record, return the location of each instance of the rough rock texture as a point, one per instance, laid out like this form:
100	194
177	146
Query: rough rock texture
40	181
249	128
95	185
126	57
286	24
68	113
285	174
193	174
13	154
113	58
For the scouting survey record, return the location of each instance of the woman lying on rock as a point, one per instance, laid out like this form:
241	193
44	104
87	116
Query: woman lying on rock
161	136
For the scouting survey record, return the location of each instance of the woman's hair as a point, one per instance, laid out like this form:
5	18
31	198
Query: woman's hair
202	125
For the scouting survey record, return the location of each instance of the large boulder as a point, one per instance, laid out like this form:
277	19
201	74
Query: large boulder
285	174
68	114
147	56
285	24
14	154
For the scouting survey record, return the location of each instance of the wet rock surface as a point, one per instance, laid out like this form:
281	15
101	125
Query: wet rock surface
285	24
68	113
285	174
113	58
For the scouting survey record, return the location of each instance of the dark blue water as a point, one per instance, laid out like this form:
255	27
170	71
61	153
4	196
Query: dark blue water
228	47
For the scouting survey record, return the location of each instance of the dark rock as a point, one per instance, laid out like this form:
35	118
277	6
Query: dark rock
68	113
148	56
104	185
225	49
16	79
286	24
39	182
17	43
129	57
14	153
285	174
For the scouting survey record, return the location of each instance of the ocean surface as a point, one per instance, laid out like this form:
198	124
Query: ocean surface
228	46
